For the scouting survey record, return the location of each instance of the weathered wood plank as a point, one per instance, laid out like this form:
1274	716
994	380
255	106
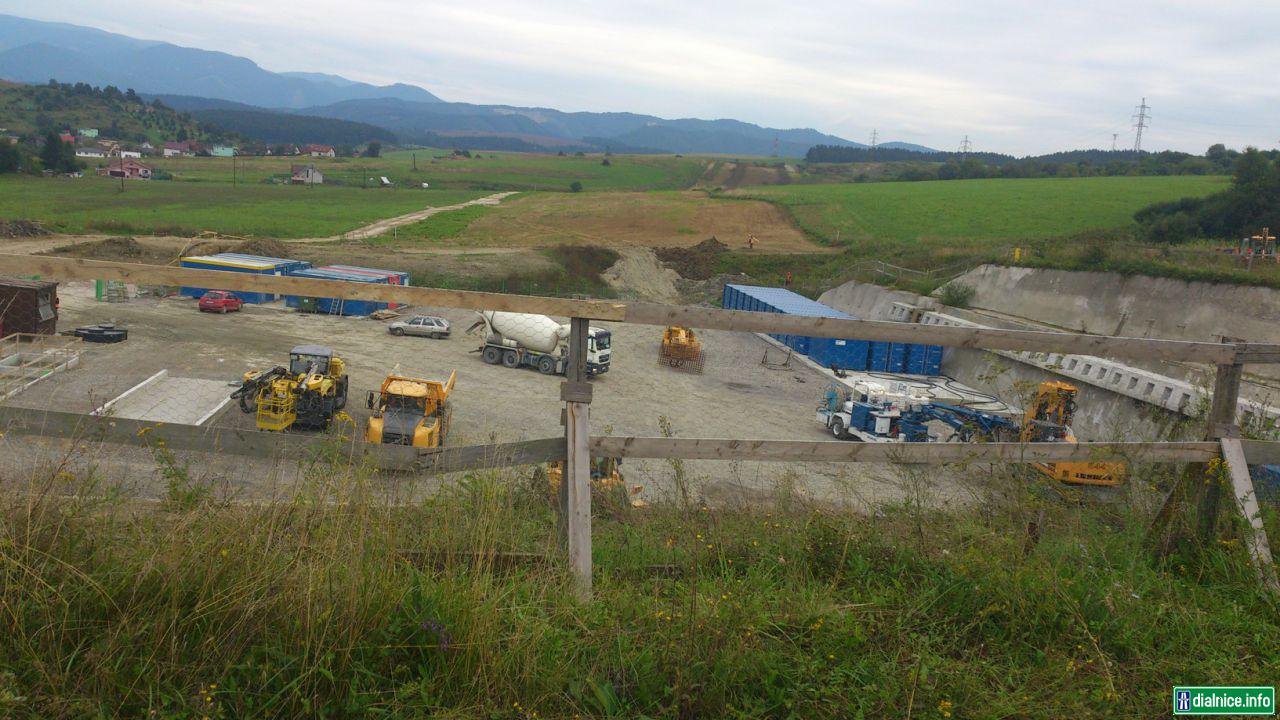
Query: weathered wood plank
59	268
268	445
1246	499
484	457
953	336
926	453
1261	452
654	314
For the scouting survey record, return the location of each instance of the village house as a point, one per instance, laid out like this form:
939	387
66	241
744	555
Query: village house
88	133
128	169
91	151
222	151
318	150
177	149
67	137
128	153
305	175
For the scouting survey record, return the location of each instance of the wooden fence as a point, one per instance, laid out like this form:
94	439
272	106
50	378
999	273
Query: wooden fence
1222	435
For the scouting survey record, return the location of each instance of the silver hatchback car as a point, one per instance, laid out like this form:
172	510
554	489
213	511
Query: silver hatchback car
425	325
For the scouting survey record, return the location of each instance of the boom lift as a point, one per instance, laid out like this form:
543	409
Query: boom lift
303	396
1048	419
410	411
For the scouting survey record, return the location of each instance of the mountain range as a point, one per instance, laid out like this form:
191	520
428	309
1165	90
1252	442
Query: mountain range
203	81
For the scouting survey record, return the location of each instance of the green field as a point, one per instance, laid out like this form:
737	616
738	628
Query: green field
96	205
985	211
484	170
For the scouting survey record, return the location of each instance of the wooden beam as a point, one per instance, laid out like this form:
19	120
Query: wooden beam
1261	452
1246	499
925	453
269	445
652	314
79	269
953	336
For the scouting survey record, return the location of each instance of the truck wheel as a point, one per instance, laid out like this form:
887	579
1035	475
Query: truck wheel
837	429
511	359
547	365
491	355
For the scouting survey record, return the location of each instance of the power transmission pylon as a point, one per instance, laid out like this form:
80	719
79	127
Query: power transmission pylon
874	136
1140	118
775	146
965	146
1113	141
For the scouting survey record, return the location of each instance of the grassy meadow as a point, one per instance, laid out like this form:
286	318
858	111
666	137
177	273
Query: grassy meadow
482	171
336	602
96	205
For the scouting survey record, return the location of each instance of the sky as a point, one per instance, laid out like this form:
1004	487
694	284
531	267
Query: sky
1014	76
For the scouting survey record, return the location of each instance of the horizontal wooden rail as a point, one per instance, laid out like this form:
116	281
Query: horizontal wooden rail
923	453
654	314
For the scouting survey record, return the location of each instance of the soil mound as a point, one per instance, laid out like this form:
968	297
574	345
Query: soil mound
265	247
21	229
695	263
116	248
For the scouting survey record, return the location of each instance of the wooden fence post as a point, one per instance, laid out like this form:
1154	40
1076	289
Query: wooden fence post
1221	424
575	482
1190	486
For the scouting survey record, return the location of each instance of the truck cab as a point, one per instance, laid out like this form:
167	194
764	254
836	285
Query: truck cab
599	341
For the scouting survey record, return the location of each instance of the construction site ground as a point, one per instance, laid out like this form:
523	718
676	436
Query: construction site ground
735	397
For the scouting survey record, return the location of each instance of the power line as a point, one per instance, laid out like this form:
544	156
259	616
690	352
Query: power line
1140	122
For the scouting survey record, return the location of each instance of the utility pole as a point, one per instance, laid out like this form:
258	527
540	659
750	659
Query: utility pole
233	168
1140	118
965	146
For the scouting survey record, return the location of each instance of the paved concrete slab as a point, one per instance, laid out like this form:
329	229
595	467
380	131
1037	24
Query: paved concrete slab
176	400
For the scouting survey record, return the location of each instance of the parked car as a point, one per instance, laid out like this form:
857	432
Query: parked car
425	325
220	301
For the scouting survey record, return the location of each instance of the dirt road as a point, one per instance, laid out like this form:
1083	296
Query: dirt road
382	227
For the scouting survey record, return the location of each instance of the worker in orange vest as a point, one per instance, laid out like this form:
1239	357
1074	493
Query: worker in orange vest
787	282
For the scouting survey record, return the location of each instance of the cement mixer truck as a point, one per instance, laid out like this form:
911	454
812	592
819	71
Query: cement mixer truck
524	340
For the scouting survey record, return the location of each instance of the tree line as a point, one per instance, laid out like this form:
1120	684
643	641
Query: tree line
912	165
1250	204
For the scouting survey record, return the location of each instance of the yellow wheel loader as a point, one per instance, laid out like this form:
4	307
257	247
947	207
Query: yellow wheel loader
410	411
303	396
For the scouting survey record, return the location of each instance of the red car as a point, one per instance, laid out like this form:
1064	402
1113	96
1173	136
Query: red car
220	301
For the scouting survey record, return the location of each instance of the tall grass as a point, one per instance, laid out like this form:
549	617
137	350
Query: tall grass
339	600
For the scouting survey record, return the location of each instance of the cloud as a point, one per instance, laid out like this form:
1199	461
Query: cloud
1014	76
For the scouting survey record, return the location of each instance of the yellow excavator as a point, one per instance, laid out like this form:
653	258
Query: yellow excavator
304	396
410	411
1048	419
681	349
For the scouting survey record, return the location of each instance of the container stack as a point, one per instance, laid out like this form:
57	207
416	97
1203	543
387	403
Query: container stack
349	273
846	354
237	262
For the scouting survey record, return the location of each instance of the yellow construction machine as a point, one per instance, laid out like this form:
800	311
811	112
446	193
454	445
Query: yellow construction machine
605	478
681	349
304	396
410	411
1048	419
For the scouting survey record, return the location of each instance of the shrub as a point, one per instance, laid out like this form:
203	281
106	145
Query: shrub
575	186
957	295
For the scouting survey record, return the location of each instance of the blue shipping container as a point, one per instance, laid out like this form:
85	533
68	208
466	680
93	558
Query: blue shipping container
337	306
237	262
844	354
878	358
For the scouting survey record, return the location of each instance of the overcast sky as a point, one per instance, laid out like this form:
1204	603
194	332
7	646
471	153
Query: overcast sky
1015	76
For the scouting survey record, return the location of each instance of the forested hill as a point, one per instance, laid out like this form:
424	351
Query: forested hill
36	110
